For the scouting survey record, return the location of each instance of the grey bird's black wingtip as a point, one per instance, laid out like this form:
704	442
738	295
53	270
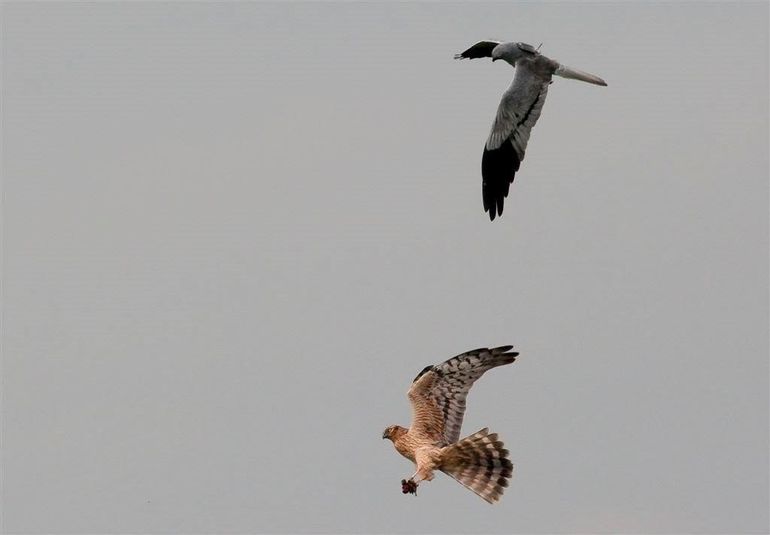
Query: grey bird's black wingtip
498	169
482	49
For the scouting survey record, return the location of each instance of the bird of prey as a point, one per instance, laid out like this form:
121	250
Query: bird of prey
518	112
437	395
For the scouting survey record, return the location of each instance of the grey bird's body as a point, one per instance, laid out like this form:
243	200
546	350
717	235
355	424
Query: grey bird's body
518	112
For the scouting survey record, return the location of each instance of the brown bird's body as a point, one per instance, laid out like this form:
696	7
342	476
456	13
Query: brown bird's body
479	461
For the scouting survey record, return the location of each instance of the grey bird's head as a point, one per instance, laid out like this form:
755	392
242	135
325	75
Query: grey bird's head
513	52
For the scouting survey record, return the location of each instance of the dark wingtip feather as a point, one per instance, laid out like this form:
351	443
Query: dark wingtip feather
498	169
425	370
503	356
482	49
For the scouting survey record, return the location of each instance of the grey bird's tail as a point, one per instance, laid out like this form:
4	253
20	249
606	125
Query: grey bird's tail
574	74
480	463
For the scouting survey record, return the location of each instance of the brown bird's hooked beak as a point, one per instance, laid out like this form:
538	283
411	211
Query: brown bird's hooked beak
385	434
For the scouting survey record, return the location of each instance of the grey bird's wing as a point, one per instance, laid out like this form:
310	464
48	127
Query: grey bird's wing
518	112
438	392
482	49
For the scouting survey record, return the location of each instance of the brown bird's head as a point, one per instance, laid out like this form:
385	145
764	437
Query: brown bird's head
393	432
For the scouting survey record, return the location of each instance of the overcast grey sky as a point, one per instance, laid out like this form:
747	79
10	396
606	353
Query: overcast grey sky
234	232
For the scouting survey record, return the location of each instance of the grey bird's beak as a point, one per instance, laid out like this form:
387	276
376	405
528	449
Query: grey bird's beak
494	59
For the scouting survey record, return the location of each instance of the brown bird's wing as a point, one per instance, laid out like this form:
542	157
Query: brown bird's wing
438	393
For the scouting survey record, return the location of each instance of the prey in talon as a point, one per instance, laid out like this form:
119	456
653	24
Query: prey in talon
408	487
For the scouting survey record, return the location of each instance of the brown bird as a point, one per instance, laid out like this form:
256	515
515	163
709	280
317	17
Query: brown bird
437	395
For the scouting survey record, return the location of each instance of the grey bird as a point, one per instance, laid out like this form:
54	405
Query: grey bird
518	112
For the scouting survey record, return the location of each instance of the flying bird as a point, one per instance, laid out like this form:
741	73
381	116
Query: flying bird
518	112
437	395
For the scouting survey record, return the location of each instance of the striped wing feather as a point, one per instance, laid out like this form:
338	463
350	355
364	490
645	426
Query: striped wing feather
438	393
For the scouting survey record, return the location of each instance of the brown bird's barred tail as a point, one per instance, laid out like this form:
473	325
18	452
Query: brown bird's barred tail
480	463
